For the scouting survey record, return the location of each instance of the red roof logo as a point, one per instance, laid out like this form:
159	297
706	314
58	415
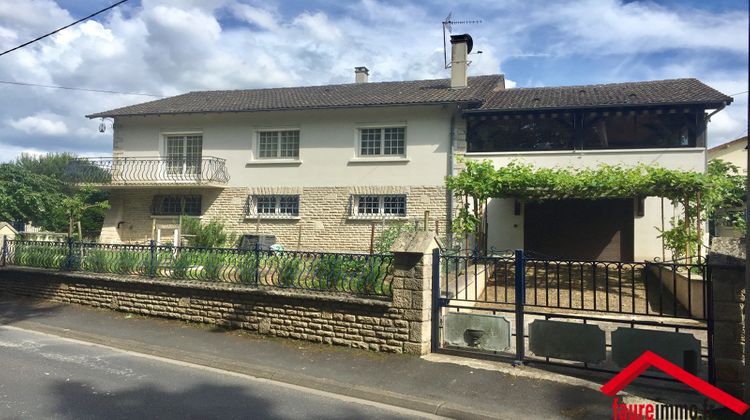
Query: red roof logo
649	359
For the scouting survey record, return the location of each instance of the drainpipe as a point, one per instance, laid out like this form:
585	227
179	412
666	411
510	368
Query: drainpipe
449	209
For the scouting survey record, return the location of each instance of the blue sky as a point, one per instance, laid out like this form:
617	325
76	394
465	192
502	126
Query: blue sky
167	47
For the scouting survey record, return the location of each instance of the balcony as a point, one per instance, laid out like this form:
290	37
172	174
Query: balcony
147	171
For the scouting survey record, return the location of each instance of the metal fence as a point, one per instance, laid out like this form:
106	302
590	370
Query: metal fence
668	289
146	170
360	274
667	301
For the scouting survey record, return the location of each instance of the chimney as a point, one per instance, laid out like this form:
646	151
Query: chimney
460	48
360	74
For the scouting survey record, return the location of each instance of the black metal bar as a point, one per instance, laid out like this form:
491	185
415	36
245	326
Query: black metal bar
152	261
69	262
436	311
256	253
5	251
520	298
709	314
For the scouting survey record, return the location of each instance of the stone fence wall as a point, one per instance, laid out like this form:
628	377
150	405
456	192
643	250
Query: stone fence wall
727	263
398	325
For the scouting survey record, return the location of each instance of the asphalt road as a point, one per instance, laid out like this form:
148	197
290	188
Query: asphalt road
44	376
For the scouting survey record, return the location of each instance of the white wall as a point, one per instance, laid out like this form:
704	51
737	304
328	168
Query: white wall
327	144
505	230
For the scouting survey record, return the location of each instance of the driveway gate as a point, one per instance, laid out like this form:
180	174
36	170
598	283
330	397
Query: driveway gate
597	315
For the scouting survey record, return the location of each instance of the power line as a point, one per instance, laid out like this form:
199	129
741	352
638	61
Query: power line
64	27
738	93
7	82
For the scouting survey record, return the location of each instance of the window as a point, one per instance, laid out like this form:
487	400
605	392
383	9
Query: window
389	141
273	205
282	144
175	205
379	205
184	154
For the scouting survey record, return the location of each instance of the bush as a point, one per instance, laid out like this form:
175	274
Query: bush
41	255
212	265
288	268
246	268
97	260
130	261
329	269
206	235
181	264
388	236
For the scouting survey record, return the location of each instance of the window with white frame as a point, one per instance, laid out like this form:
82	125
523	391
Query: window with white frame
379	205
184	153
384	141
273	205
278	144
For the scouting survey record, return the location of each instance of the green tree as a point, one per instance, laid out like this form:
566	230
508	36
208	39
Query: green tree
26	196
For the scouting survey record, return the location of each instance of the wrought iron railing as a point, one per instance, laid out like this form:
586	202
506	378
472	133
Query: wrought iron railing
359	274
146	170
676	289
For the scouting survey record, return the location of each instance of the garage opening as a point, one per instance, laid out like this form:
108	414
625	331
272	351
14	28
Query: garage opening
580	229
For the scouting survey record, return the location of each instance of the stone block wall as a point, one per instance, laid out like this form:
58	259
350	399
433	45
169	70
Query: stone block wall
324	221
727	263
397	324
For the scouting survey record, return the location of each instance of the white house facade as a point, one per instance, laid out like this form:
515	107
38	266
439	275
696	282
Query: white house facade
316	166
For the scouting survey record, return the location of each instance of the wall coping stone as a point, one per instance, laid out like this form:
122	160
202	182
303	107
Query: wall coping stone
310	295
727	251
420	242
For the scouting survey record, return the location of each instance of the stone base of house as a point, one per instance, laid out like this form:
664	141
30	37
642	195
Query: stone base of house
325	219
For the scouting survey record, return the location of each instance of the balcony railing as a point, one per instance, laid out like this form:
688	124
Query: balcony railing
147	171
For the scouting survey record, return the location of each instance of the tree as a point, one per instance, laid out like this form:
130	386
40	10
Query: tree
26	196
53	167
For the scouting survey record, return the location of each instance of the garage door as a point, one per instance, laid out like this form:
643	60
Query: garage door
580	229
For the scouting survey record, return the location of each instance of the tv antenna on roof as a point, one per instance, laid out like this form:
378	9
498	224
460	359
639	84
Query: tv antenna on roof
448	24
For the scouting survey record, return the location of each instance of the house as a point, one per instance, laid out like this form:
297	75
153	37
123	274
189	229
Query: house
655	123
7	231
314	166
734	152
319	166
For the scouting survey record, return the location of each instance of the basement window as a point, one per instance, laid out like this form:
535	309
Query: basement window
176	205
273	206
366	206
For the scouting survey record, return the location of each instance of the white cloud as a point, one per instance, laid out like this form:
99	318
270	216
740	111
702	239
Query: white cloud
167	47
44	123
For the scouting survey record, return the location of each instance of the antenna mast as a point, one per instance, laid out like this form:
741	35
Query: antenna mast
448	24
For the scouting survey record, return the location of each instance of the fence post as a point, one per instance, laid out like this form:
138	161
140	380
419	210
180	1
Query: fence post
152	259
520	277
69	262
5	251
435	336
256	250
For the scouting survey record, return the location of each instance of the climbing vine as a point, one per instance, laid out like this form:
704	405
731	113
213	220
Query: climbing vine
701	194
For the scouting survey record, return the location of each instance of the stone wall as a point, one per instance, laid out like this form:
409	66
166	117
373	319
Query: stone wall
727	261
324	221
398	324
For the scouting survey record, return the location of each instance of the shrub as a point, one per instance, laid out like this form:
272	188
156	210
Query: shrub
42	255
129	261
329	269
247	266
212	265
388	236
97	260
181	264
206	235
289	269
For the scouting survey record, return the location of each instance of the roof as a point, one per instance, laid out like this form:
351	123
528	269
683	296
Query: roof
6	224
728	144
417	92
650	93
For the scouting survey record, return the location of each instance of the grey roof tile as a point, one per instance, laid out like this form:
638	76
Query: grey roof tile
656	92
316	97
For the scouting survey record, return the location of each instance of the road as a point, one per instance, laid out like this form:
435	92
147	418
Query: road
44	376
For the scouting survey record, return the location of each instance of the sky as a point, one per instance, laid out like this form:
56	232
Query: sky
168	47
